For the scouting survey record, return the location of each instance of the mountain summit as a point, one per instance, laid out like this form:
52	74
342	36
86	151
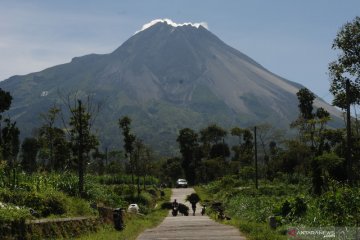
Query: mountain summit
165	77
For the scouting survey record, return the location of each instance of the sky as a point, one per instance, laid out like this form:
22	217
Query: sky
291	38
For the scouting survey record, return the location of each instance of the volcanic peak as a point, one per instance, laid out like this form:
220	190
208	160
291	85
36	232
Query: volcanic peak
172	23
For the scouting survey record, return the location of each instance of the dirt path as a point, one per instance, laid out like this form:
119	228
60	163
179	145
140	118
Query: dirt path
190	227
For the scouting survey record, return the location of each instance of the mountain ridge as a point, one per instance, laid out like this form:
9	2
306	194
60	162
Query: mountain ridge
164	78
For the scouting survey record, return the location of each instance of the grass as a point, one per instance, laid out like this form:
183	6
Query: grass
252	230
135	224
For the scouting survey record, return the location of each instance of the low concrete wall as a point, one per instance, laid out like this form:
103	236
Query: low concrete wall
61	227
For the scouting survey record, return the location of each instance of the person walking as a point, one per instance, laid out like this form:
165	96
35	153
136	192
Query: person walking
193	206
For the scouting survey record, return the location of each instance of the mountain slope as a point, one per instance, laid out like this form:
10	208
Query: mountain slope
165	78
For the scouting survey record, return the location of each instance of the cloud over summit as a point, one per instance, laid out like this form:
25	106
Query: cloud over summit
174	24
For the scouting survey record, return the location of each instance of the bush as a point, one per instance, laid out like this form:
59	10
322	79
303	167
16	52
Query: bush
68	184
341	207
54	204
12	222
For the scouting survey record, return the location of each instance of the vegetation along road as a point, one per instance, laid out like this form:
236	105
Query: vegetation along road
190	227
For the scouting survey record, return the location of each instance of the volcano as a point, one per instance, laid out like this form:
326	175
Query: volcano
165	78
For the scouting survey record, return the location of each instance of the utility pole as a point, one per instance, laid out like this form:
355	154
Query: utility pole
256	160
348	134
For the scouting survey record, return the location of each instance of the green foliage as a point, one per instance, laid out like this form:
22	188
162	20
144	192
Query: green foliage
129	139
247	172
172	170
66	183
124	179
291	210
29	150
188	143
347	66
81	138
10	142
5	101
12	213
244	150
12	221
341	207
43	203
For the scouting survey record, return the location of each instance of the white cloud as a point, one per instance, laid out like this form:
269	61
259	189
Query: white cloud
171	23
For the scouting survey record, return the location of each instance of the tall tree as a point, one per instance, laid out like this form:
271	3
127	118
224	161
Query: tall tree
11	142
213	143
347	66
189	145
312	127
29	150
129	139
212	134
10	147
48	131
345	77
171	169
5	103
244	150
82	140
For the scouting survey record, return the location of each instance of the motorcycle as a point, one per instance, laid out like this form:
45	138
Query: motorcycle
175	211
203	210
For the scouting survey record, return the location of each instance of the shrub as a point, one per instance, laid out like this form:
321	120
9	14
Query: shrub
12	222
341	206
54	204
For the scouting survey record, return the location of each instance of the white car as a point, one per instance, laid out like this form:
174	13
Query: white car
181	183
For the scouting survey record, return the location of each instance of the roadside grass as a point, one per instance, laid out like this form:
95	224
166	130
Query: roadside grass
135	224
251	230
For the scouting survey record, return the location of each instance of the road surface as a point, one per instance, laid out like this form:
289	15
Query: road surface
190	227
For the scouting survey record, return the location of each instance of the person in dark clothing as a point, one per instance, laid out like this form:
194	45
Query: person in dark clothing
193	206
175	203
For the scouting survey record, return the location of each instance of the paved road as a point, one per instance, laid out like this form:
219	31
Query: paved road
190	227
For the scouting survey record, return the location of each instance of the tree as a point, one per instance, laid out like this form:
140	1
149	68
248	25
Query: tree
172	169
5	103
129	139
306	99
188	142
82	140
212	134
5	100
268	137
347	66
244	150
311	125
47	132
10	147
220	150
11	142
29	150
54	148
345	77
312	128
